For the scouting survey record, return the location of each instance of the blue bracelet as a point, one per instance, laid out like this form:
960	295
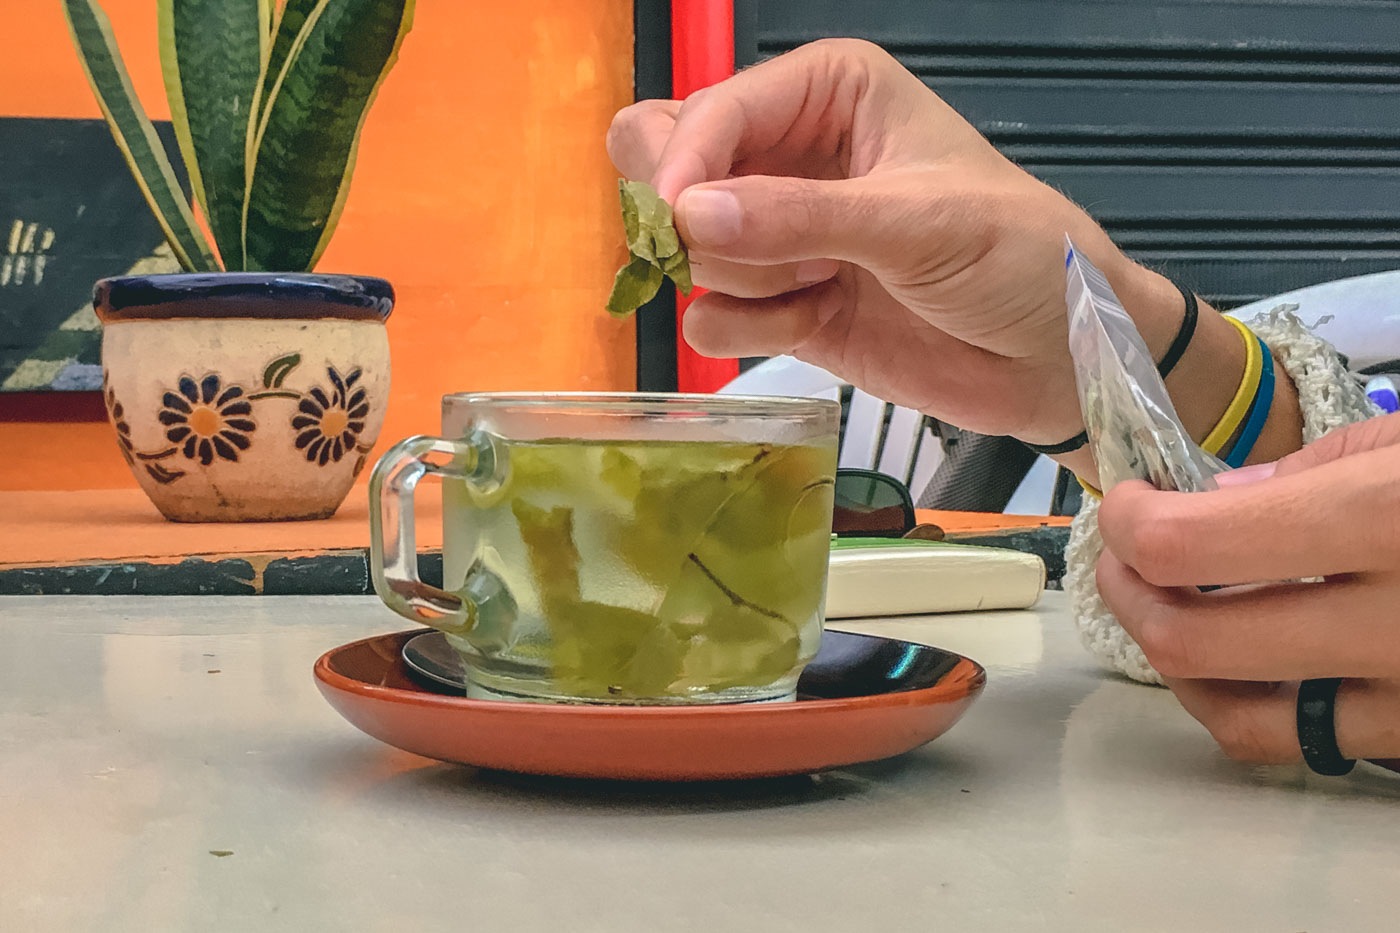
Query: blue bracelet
1259	414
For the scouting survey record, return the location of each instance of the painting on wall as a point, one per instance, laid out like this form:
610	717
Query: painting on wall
70	213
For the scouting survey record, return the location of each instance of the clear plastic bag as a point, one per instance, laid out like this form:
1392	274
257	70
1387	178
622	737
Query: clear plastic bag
1133	429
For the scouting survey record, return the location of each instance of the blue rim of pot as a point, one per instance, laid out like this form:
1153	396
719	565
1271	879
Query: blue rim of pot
248	295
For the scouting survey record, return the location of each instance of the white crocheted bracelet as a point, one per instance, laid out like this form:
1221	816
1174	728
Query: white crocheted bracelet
1330	398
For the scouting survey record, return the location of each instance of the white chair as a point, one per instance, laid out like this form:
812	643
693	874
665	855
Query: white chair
1360	316
881	436
877	435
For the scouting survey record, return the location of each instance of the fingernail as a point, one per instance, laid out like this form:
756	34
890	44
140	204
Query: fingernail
1246	475
712	218
813	271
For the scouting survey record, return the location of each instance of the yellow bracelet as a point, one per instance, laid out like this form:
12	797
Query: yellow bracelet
1244	396
1239	405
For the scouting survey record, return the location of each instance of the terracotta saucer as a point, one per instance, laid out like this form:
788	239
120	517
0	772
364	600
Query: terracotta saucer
864	698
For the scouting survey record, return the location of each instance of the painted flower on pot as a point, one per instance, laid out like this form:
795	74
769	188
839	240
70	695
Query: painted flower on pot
118	416
205	420
330	424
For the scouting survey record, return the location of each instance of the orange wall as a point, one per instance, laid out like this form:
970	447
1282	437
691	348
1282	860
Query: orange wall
482	191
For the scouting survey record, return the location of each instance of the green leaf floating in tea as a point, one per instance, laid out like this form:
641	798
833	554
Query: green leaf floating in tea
664	568
655	248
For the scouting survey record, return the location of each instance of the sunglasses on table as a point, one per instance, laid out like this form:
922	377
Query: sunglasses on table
876	505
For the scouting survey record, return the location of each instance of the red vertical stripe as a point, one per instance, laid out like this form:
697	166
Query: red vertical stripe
702	53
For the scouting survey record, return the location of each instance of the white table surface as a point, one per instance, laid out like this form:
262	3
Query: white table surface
1065	800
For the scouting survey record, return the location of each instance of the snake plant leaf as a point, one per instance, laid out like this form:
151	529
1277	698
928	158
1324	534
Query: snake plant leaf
287	22
135	136
211	52
287	25
304	149
288	18
267	22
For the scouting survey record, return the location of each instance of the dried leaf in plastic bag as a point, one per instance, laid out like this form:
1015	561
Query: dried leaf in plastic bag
1133	428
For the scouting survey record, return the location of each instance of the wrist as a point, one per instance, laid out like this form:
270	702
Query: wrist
1154	303
1283	431
1209	372
1207	378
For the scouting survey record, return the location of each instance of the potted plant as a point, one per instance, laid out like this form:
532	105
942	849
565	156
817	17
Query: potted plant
247	388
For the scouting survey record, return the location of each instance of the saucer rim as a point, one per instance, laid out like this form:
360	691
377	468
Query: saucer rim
947	689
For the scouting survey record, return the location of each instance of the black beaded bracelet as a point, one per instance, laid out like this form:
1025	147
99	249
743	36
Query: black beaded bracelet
1179	343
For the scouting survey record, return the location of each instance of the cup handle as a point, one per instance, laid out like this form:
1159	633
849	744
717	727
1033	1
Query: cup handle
393	558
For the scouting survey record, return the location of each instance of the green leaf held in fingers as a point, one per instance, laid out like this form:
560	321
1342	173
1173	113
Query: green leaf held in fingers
135	136
677	268
635	285
655	247
304	150
211	53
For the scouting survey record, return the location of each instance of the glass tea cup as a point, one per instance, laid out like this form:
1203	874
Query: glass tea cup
619	548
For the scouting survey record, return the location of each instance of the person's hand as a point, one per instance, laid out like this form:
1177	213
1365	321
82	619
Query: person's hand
841	212
1234	657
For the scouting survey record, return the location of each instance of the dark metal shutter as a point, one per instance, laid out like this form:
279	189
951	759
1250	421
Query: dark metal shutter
1245	148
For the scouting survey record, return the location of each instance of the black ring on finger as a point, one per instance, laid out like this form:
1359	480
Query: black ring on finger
1317	727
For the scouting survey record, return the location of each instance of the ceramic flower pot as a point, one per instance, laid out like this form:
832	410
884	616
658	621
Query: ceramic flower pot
245	396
